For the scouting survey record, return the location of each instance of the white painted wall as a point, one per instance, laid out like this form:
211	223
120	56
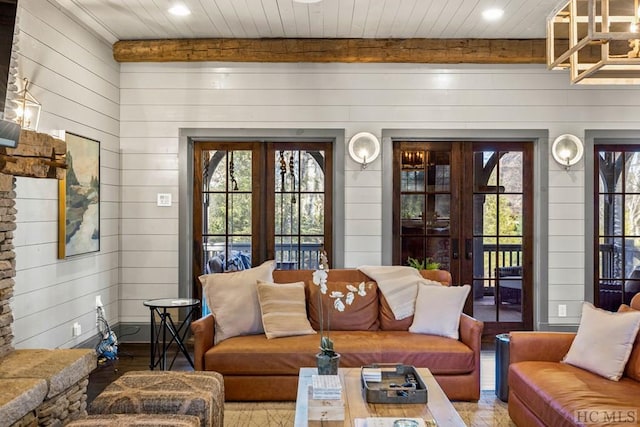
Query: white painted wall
75	78
159	99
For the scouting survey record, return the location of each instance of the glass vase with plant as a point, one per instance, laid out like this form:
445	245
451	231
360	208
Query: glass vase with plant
328	359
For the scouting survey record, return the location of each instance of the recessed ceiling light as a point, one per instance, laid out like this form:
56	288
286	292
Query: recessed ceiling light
492	14
179	10
307	1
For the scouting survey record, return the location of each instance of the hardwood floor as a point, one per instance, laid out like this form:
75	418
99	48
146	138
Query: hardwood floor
135	357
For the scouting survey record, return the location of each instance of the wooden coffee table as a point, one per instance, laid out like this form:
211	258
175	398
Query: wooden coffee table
438	407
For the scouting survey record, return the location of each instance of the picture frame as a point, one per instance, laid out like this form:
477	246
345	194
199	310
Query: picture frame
79	198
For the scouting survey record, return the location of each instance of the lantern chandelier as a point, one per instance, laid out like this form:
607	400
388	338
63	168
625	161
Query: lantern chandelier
597	40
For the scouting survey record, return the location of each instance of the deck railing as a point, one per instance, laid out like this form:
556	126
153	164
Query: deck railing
304	256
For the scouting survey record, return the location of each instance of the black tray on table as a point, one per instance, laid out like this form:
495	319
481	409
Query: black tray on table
400	384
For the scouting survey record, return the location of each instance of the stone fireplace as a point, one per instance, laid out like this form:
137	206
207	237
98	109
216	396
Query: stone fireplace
40	386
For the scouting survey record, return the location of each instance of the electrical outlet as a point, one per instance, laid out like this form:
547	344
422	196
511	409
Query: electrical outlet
562	310
77	329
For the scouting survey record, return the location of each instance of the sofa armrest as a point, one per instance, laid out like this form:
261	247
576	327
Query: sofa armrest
539	345
471	333
203	330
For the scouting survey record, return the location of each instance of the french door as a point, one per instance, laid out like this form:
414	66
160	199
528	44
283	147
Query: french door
254	201
468	206
617	225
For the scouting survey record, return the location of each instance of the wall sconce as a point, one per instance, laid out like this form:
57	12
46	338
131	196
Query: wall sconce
28	110
567	150
364	148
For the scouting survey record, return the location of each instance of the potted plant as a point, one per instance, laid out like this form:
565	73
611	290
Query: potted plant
425	264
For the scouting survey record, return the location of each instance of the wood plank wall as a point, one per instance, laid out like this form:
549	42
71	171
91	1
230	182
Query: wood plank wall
159	99
75	78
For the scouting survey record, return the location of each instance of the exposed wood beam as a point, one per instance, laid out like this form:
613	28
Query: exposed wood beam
437	51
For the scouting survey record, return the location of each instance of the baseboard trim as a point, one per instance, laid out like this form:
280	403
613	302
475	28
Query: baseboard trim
569	327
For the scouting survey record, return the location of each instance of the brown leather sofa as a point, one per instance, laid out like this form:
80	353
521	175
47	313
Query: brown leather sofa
545	392
257	368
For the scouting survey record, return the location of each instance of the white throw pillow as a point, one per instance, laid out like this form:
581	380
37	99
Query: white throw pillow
438	310
604	341
233	300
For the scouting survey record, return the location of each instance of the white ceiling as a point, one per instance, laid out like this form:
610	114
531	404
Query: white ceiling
149	19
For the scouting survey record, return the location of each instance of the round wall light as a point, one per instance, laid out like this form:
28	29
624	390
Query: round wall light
567	150
364	148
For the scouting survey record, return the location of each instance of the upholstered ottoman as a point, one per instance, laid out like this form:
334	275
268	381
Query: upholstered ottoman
137	420
164	392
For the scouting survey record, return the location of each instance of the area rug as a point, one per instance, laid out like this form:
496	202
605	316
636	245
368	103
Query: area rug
489	411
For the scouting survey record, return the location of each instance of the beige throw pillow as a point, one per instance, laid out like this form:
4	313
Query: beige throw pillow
233	300
604	341
284	311
438	310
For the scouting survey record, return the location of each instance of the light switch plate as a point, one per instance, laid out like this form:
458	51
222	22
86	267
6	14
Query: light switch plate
164	199
562	310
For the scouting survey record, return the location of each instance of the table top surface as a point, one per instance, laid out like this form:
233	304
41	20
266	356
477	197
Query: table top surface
438	407
171	302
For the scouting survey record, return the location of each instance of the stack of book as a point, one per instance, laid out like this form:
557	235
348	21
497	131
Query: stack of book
372	375
326	387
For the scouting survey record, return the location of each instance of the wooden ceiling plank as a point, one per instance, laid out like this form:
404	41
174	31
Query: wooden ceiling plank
434	51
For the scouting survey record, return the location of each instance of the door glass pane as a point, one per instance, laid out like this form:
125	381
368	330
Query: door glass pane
438	171
216	213
412	172
484	177
227	208
412	207
425	203
618	226
239	213
610	170
485	223
441	210
511	172
312	171
299	207
633	173
312	214
510	211
510	252
215	177
438	250
497	225
412	247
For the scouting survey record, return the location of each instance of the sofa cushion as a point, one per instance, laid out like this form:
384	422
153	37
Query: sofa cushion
233	300
604	341
554	391
284	309
443	356
257	355
438	310
361	315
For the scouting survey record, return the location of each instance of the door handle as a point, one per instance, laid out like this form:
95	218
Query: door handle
468	248
455	250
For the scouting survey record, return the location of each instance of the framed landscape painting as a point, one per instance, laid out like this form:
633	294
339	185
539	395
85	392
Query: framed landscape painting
79	198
